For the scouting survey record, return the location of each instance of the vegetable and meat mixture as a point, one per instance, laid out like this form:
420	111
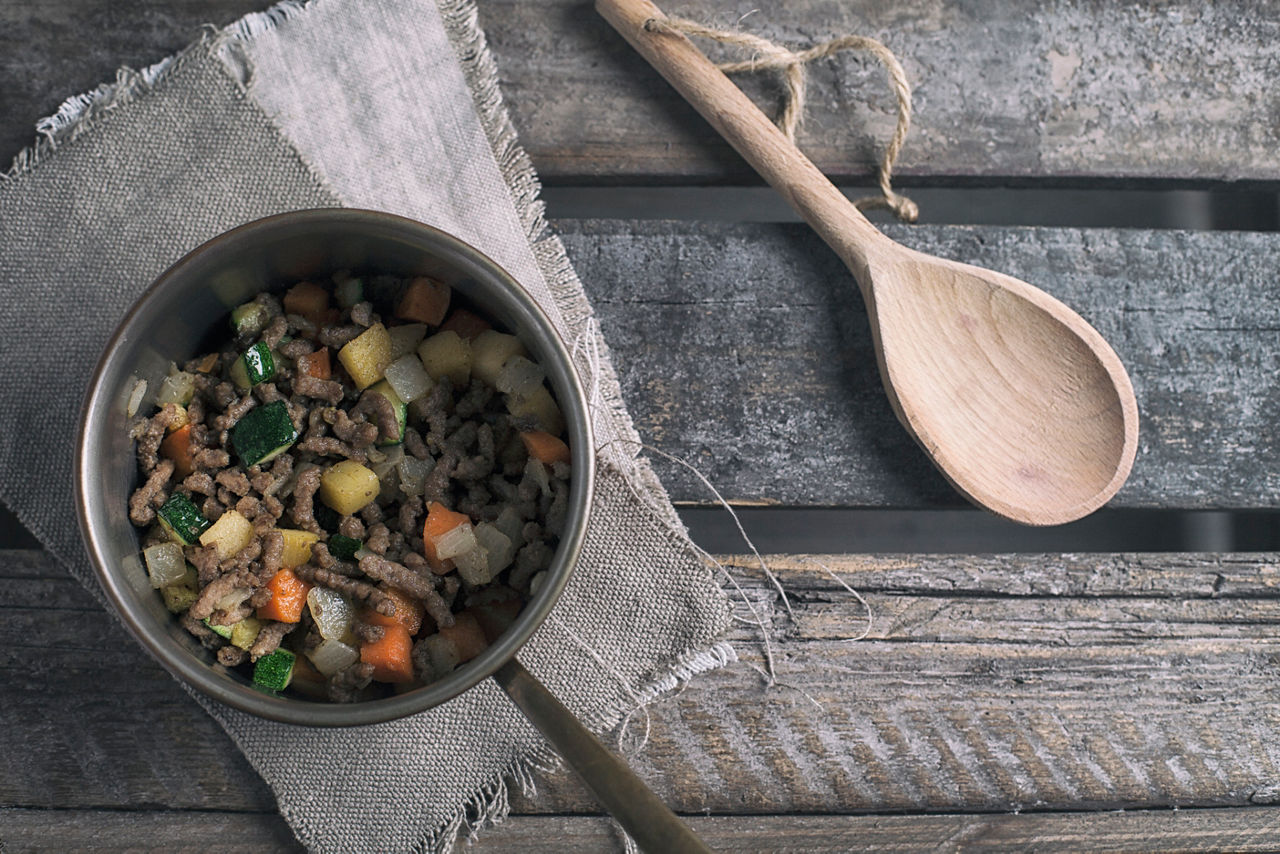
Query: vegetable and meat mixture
347	504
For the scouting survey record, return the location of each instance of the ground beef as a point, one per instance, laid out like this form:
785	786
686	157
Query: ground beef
232	656
383	413
359	433
214	592
362	590
146	499
338	337
379	539
296	348
272	551
269	637
331	447
303	493
326	390
346	685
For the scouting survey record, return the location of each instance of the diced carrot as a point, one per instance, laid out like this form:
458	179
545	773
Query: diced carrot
288	597
308	300
466	636
391	655
440	520
495	617
408	613
208	363
545	447
425	300
315	364
465	323
177	447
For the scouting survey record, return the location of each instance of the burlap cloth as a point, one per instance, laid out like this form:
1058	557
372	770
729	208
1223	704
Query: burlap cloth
390	105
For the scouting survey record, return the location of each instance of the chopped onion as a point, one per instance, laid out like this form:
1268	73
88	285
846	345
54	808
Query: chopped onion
510	523
390	459
332	655
497	545
455	541
332	612
135	398
442	655
536	470
406	338
233	599
519	376
408	378
473	566
176	388
413	474
165	564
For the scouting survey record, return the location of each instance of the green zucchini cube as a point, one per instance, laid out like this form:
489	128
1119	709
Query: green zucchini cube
343	547
182	520
274	672
264	433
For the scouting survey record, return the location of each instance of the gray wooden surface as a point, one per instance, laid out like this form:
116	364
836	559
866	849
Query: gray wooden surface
744	349
1003	89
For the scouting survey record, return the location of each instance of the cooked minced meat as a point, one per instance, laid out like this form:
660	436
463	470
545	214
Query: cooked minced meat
310	500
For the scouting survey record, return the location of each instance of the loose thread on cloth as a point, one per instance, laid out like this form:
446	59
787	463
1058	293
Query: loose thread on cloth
769	55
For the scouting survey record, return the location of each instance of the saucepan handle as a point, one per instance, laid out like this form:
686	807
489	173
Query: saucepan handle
649	822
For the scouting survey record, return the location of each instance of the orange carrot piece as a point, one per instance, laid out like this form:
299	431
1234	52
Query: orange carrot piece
425	300
315	364
177	447
308	300
466	636
208	363
544	447
408	613
288	597
440	520
391	655
465	323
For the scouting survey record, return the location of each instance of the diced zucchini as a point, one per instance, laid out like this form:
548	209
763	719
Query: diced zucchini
367	355
249	319
348	292
165	564
490	350
263	433
182	520
343	547
255	365
539	406
348	486
405	338
409	379
273	672
223	631
384	388
179	597
245	632
178	387
447	354
231	533
297	547
326	517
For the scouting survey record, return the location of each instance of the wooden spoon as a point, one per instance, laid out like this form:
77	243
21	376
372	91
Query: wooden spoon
1019	402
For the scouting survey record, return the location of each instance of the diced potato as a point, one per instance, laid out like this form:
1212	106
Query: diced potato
490	350
447	354
367	355
347	487
405	338
408	378
178	597
245	632
539	405
297	546
231	533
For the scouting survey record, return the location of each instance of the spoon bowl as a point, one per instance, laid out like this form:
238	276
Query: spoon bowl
1018	401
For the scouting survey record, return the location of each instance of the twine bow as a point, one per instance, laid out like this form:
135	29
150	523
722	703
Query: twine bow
768	55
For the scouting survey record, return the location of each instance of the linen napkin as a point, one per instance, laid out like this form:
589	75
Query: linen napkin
391	105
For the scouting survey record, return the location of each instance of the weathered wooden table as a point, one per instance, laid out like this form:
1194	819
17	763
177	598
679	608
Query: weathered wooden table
1047	702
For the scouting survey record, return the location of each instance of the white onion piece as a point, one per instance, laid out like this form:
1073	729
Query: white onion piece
331	656
405	339
332	612
176	388
455	541
519	376
473	566
135	398
392	455
165	564
536	470
408	378
413	473
233	599
510	523
497	545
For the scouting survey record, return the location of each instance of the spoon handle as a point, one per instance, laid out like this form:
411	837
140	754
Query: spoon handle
750	132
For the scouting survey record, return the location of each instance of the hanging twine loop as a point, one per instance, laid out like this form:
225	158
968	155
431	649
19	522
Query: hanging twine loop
768	55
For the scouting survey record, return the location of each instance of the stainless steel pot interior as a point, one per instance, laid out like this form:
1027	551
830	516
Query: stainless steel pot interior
185	311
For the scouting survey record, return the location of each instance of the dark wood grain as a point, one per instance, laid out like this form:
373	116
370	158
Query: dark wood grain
1251	829
745	350
1023	682
1046	92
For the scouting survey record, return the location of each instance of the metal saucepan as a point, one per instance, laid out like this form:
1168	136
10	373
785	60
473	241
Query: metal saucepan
182	314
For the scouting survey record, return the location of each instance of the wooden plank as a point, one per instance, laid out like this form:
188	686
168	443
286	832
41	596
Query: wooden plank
1250	829
1002	90
1023	682
745	350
